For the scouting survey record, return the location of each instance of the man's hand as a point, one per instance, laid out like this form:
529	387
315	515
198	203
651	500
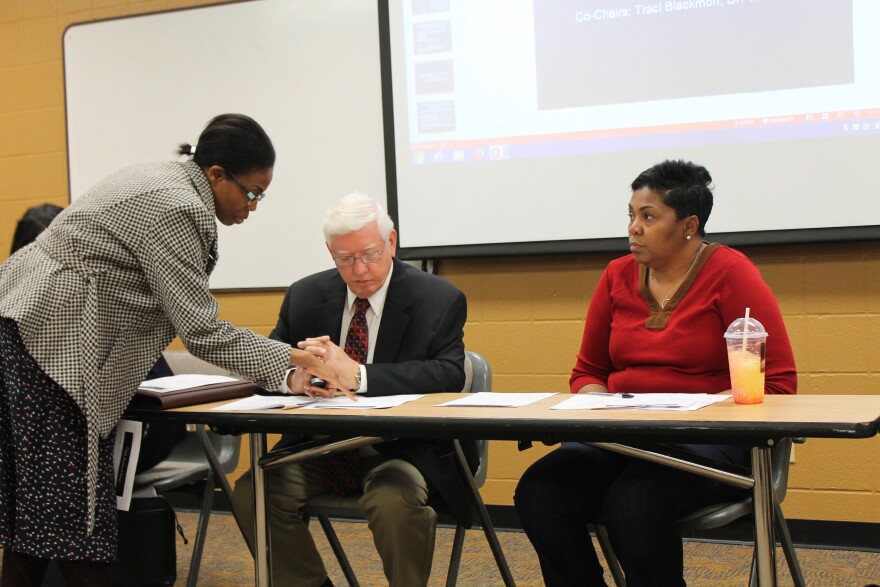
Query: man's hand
310	363
296	383
344	368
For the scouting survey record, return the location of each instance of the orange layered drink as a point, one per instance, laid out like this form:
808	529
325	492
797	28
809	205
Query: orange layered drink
746	376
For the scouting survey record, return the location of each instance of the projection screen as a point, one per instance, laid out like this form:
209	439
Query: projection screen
519	124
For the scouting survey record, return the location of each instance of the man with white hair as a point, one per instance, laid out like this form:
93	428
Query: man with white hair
386	328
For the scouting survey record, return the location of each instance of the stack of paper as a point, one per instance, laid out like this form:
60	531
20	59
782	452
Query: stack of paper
266	402
363	403
286	402
178	383
497	400
640	401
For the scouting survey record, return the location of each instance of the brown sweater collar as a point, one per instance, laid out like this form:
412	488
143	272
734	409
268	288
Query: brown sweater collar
660	316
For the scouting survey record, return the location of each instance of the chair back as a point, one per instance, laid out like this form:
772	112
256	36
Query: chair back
478	374
780	457
478	378
226	446
183	363
720	514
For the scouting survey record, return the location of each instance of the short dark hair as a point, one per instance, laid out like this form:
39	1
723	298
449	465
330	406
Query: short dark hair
235	142
34	221
683	186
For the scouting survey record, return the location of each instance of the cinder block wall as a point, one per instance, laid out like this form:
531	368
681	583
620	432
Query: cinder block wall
526	313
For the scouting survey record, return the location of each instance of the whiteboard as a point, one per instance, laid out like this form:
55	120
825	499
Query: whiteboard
307	70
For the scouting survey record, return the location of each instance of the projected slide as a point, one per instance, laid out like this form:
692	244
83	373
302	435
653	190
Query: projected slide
498	93
686	49
579	71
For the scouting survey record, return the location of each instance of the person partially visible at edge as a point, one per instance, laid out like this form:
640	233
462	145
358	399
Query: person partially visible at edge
84	313
655	324
32	223
414	324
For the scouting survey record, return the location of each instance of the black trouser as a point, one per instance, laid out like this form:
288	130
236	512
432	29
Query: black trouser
637	501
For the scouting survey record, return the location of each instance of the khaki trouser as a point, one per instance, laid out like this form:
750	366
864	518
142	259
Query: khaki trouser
394	504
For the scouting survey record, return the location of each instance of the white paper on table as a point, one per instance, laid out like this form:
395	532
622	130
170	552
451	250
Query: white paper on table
497	400
171	383
266	402
641	401
363	403
126	449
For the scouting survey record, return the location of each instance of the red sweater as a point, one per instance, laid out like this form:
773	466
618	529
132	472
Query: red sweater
688	355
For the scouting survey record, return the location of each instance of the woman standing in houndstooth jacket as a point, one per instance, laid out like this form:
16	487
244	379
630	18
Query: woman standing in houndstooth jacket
84	313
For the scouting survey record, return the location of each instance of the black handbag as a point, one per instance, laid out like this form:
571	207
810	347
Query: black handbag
147	545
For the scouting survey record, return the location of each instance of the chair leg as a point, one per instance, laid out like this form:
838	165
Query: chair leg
222	480
455	557
753	571
610	557
794	566
199	545
214	463
483	516
333	539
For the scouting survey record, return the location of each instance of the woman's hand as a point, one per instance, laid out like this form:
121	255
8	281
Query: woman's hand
298	384
296	381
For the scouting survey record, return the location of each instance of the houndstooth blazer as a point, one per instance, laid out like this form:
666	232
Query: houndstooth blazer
105	288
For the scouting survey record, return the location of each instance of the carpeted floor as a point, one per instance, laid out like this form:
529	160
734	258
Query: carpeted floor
227	562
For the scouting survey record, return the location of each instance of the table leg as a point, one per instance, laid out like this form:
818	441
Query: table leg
483	514
763	499
261	534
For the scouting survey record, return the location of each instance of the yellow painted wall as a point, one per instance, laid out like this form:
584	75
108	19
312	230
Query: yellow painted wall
526	313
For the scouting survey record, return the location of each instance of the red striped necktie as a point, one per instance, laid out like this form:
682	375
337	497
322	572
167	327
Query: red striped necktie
343	475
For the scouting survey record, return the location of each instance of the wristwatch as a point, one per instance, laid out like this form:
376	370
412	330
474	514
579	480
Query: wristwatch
357	379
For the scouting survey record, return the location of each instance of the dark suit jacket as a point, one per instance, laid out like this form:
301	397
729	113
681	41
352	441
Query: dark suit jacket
419	350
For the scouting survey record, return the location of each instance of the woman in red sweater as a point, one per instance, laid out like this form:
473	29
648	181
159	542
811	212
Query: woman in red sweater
655	324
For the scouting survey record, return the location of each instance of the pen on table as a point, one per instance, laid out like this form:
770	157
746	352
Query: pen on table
626	395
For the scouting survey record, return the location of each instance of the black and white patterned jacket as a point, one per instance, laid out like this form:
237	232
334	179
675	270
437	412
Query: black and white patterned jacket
117	274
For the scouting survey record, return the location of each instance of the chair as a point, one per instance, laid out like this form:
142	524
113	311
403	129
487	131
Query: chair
201	456
721	514
478	378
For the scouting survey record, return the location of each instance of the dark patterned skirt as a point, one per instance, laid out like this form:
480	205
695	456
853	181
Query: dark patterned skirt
43	465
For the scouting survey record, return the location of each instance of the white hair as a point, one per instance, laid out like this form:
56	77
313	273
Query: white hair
353	212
